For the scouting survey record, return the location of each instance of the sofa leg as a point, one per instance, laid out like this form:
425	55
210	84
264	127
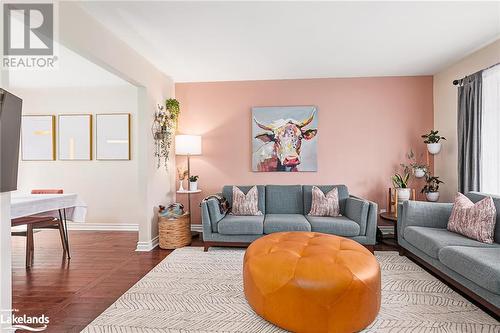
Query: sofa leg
205	248
401	251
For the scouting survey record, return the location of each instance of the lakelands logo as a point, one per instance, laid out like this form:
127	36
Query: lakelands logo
24	322
28	36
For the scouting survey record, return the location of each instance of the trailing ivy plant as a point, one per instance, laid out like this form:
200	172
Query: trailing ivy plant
432	137
164	126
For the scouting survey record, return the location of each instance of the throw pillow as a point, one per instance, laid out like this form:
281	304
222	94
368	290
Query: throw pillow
476	221
324	205
245	204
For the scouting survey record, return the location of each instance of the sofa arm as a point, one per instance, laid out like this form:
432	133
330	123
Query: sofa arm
423	214
356	209
211	211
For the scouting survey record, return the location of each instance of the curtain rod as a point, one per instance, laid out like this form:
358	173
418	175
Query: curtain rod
457	82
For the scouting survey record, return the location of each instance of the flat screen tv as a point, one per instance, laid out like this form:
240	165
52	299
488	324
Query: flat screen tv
10	130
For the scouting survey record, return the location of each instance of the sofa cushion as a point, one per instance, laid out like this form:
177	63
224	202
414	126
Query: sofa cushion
307	197
284	199
227	192
476	196
339	225
285	222
431	240
480	265
241	225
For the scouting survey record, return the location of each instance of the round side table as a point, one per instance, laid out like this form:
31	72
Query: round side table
391	217
174	233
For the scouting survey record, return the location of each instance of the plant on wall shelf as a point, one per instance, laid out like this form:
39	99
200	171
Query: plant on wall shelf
418	169
431	187
432	137
432	140
164	126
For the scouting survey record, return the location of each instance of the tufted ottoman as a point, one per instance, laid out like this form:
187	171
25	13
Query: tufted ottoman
312	282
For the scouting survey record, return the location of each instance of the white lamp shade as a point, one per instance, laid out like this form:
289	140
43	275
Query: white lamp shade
188	145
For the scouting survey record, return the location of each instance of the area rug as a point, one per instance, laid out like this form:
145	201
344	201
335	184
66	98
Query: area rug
196	291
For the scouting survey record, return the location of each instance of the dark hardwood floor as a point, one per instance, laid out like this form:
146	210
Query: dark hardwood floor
73	293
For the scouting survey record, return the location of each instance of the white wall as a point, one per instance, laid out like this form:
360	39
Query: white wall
81	33
445	113
109	188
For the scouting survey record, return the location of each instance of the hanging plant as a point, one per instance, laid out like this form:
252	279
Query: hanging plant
164	126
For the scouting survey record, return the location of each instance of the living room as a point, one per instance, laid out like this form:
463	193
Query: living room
251	167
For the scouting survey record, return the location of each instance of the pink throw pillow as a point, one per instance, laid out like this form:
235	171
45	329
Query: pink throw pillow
324	205
245	204
476	221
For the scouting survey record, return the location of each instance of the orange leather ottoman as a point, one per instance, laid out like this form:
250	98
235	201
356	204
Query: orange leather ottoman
312	282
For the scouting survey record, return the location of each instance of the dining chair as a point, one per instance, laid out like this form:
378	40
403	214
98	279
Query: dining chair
40	222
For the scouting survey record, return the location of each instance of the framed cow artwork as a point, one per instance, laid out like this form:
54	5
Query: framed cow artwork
284	138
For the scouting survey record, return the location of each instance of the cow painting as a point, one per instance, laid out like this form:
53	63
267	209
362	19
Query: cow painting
283	139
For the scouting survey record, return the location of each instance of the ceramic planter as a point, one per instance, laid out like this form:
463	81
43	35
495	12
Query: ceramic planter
419	172
434	148
432	196
403	194
193	186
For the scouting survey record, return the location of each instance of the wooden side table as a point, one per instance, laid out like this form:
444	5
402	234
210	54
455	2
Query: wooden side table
392	217
174	233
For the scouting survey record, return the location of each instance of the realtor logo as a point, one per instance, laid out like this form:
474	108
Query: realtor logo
28	36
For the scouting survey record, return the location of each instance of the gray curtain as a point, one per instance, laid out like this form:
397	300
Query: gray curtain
469	133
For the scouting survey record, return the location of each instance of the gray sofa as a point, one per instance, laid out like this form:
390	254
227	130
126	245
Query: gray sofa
468	265
285	208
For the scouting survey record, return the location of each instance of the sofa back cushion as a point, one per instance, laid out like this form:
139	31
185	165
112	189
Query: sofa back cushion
307	196
476	196
227	192
284	199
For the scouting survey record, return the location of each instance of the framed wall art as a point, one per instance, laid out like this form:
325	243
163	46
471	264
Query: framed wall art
38	138
113	136
75	137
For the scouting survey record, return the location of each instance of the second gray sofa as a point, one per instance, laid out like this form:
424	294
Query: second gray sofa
285	208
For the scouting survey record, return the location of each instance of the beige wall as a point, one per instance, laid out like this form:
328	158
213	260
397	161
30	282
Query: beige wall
445	112
112	197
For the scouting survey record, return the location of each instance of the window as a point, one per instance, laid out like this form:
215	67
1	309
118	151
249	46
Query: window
490	164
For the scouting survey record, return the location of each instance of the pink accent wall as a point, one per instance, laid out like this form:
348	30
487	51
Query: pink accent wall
365	128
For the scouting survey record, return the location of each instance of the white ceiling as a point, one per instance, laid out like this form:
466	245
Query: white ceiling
218	41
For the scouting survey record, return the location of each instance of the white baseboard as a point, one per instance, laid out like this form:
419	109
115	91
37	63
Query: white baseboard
386	229
197	227
102	226
147	246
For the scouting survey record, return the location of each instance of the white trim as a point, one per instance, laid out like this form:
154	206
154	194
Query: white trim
386	229
147	246
197	227
102	227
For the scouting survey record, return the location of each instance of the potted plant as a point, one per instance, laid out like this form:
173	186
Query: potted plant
432	140
400	183
163	129
419	169
431	188
193	183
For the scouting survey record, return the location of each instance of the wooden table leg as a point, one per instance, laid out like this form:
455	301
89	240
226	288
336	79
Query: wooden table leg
29	245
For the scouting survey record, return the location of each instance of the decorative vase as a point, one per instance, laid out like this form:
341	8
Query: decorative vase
432	196
181	186
419	172
193	186
434	148
403	194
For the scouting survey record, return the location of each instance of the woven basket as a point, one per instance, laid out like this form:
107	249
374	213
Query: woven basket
174	233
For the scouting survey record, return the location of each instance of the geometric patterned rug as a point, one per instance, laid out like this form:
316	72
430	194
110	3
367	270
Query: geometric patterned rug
196	291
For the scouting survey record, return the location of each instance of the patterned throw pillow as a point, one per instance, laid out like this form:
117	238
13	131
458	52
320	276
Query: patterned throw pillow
324	205
476	221
245	204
